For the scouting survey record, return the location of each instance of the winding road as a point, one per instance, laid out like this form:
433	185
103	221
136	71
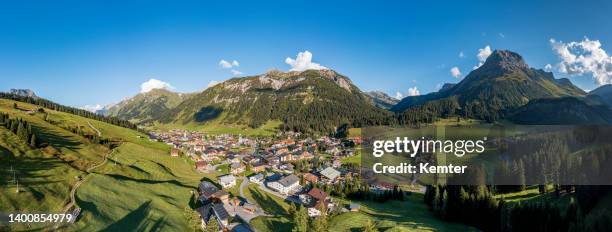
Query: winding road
96	129
88	171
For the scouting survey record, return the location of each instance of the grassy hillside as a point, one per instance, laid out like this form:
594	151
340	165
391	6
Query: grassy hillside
140	186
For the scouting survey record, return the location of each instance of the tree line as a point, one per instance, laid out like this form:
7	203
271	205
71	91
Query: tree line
21	128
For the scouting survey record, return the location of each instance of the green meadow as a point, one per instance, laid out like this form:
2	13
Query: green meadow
140	187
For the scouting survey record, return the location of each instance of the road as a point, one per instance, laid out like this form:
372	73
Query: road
244	184
82	180
95	129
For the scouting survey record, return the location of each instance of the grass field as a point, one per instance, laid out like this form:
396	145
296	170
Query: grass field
272	205
140	187
217	127
408	215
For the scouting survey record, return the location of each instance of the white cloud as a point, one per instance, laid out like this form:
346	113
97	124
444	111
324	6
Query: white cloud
152	84
584	57
230	65
227	64
413	91
302	62
92	108
455	72
399	95
483	54
235	72
461	55
548	67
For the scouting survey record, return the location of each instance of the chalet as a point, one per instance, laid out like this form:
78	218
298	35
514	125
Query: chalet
286	167
330	173
311	178
221	196
174	152
381	186
316	198
257	179
237	168
258	167
201	165
286	184
303	155
227	181
286	157
206	190
216	212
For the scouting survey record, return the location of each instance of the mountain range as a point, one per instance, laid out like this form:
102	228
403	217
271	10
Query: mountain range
145	107
503	83
381	99
504	87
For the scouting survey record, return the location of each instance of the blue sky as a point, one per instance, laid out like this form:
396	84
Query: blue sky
84	53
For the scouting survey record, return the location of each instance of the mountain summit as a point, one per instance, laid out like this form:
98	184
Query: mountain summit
24	93
503	83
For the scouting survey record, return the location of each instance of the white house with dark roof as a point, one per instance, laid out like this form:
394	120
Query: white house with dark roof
227	181
286	184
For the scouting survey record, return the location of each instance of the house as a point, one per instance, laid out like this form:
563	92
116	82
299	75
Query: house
303	155
286	157
257	179
221	196
311	178
313	212
206	190
330	173
286	184
237	168
317	198
174	152
258	167
201	165
286	167
227	181
216	212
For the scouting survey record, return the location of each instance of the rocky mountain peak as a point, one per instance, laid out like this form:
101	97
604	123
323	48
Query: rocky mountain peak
24	93
505	60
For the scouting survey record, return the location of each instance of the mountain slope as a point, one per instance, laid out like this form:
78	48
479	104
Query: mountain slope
138	173
146	106
308	101
603	93
561	111
503	83
381	99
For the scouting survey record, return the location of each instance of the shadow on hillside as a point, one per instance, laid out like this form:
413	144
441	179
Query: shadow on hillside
207	113
137	220
271	207
57	140
212	182
145	181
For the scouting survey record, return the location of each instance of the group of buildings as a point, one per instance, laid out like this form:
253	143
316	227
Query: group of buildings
288	164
